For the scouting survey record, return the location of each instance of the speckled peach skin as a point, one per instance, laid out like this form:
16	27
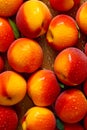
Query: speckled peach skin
49	56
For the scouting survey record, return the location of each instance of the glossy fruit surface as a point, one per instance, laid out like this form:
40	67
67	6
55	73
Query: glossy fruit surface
71	106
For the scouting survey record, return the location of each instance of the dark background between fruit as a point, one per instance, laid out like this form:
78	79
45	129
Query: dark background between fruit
49	56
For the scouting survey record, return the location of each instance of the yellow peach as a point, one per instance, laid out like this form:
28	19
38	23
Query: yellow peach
12	88
81	17
62	32
39	118
33	18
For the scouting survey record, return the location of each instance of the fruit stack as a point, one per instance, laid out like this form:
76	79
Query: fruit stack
43	65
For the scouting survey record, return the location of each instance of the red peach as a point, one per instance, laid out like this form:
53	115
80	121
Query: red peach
8	118
70	66
43	87
81	17
6	35
85	122
62	32
74	126
2	64
71	106
85	87
85	48
33	18
63	5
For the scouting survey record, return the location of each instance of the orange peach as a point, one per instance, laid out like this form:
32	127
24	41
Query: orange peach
43	87
70	66
71	106
62	32
81	17
63	5
25	55
9	7
6	34
39	118
12	88
33	18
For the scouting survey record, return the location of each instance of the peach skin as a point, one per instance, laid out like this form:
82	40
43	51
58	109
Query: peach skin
73	126
81	17
39	118
70	66
43	87
25	55
63	5
71	106
12	88
9	7
2	64
33	18
62	32
6	34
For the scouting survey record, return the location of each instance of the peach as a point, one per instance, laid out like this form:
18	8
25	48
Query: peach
63	5
9	118
6	34
43	87
33	18
81	17
12	88
9	7
39	118
62	32
85	87
70	66
73	126
85	122
25	55
71	106
2	64
85	48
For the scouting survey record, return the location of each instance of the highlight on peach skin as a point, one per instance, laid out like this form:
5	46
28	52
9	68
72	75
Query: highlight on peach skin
43	87
70	66
25	55
62	32
12	88
33	18
39	118
71	106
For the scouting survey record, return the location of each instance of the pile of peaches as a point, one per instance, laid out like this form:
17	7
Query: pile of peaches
58	94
